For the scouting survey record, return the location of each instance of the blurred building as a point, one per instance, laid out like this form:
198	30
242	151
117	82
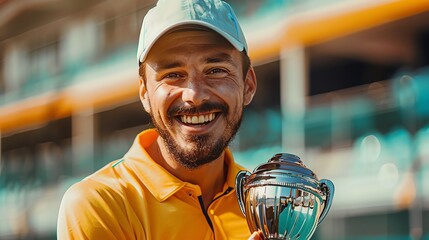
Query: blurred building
343	84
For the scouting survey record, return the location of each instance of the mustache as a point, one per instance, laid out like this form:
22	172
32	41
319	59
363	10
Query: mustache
192	110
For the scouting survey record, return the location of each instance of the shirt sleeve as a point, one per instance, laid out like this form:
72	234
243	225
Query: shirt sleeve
93	211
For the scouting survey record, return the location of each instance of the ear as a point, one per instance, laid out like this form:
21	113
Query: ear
143	95
250	85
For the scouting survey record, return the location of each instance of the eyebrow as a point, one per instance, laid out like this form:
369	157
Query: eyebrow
221	57
168	65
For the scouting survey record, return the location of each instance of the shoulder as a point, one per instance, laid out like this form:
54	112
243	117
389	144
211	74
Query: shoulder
87	199
104	188
111	189
87	190
92	208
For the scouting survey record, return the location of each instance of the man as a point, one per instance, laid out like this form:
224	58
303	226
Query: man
176	182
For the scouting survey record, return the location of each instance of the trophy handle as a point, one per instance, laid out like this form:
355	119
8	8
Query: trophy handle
239	188
328	188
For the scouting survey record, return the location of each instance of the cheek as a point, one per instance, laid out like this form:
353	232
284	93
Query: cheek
232	94
161	98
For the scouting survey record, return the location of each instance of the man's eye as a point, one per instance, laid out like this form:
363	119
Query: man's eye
216	70
172	75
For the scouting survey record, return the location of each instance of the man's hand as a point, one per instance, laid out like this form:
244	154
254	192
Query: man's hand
256	236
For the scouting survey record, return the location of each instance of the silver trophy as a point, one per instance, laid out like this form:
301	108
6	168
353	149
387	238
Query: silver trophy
283	199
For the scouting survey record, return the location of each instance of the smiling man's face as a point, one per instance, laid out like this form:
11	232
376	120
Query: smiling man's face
195	92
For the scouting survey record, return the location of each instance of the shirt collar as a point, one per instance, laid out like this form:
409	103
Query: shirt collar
161	183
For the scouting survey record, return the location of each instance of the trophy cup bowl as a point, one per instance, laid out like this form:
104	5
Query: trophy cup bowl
283	199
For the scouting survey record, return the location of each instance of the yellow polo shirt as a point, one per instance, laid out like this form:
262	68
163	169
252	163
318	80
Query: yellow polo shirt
135	198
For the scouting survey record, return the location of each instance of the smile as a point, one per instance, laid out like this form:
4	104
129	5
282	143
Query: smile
198	119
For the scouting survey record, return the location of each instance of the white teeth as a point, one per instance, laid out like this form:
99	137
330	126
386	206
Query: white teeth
200	119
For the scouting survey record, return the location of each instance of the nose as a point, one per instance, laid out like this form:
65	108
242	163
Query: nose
195	92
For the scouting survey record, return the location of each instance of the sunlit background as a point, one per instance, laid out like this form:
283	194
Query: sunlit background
342	83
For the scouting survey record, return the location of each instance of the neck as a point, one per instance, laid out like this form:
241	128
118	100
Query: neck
209	177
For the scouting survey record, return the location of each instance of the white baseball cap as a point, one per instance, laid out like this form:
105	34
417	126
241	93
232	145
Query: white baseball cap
168	14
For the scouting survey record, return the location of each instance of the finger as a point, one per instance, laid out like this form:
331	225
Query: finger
256	236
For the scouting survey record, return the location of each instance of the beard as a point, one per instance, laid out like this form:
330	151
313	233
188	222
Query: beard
200	149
